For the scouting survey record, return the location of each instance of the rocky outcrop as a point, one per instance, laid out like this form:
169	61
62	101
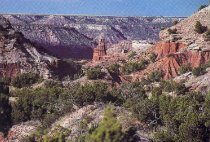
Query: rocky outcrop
19	55
184	46
170	58
99	52
200	83
186	29
121	47
20	131
165	48
92	115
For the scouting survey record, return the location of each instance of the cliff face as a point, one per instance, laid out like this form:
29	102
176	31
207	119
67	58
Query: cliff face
18	55
170	64
165	48
75	36
184	46
171	55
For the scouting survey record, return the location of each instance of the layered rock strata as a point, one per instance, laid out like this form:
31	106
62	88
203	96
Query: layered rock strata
99	52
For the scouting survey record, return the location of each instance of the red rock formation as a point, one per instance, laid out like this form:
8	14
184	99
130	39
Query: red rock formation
170	67
9	70
99	52
165	48
2	139
171	57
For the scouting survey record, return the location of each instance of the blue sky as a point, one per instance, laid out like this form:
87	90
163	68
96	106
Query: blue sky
103	7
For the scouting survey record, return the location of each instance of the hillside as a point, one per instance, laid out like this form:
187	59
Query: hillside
185	46
19	55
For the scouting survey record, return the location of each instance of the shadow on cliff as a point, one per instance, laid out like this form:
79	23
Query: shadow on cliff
74	53
65	69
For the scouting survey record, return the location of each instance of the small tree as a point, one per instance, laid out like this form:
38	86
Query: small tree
114	68
199	71
155	76
175	22
109	129
132	54
152	57
5	111
202	7
162	136
134	66
4	87
199	28
207	36
25	80
172	86
185	68
94	73
172	31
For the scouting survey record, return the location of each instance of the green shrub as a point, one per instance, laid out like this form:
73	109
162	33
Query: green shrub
5	80
131	67
172	86
97	92
152	57
180	88
41	104
4	88
182	118
172	31
90	93
201	70
94	73
52	83
207	36
163	137
202	7
114	96
5	112
109	130
146	110
132	54
155	76
133	90
66	69
25	80
57	135
185	68
114	69
157	91
175	22
207	65
199	28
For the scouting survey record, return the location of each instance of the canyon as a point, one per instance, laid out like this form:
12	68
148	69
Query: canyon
43	43
68	36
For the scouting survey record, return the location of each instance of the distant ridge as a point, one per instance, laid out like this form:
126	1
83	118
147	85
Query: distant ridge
31	14
74	36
